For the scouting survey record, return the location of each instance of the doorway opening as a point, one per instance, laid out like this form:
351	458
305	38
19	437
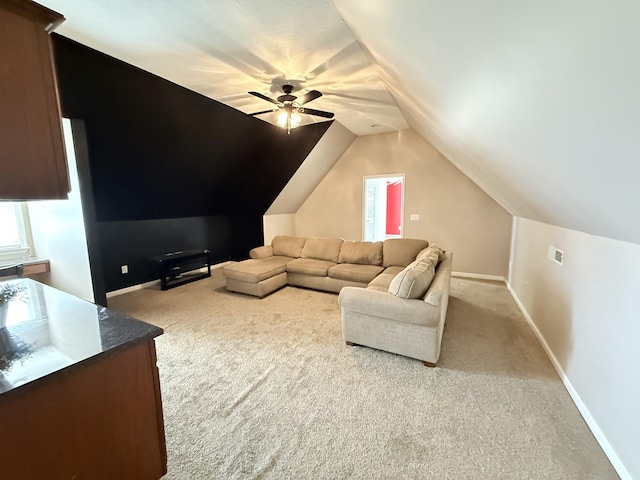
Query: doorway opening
383	207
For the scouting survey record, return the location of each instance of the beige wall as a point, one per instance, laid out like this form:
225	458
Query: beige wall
454	212
587	313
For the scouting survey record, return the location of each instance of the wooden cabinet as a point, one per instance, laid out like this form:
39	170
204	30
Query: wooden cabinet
32	158
99	421
79	391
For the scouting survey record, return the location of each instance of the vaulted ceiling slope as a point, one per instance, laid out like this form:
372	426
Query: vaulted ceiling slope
537	102
225	48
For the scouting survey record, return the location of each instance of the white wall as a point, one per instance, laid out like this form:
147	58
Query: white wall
58	232
280	216
322	157
587	312
284	224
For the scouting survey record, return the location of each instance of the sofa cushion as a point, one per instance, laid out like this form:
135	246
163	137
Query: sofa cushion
354	272
414	280
393	270
381	282
310	266
401	251
322	248
362	253
287	245
256	270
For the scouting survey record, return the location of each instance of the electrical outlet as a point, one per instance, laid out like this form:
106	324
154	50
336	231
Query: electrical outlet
414	217
124	269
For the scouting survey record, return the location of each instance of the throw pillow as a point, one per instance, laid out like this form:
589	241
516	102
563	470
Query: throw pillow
431	248
414	280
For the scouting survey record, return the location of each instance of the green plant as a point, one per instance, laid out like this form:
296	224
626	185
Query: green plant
12	349
11	290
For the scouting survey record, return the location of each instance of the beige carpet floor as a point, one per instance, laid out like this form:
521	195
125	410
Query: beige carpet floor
266	388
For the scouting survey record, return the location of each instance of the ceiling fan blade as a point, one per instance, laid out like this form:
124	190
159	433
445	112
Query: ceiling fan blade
264	97
317	113
307	97
264	111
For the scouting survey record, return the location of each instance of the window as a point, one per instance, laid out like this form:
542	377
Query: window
13	239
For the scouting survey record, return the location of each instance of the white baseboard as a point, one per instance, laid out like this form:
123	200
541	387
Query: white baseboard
132	288
582	408
220	265
140	286
479	276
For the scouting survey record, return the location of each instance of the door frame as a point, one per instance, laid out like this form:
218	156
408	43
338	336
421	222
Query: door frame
364	200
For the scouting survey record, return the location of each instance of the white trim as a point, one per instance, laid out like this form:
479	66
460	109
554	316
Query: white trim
512	246
140	286
480	276
14	252
582	408
364	200
223	264
132	288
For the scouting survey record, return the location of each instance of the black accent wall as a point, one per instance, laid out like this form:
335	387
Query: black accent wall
168	169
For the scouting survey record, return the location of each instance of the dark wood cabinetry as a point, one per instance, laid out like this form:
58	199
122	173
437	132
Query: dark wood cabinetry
103	421
79	391
32	157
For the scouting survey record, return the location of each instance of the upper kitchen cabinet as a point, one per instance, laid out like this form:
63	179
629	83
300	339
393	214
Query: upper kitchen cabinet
32	158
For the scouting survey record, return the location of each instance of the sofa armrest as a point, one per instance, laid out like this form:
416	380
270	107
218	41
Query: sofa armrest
375	303
265	251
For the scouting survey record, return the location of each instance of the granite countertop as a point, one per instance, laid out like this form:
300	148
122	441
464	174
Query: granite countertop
44	331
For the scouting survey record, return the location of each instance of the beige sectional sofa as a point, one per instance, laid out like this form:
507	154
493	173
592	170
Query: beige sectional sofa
403	314
393	294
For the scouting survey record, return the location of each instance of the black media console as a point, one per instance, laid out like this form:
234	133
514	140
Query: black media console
174	266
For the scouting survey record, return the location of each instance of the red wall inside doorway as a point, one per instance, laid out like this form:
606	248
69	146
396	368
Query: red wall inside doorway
394	208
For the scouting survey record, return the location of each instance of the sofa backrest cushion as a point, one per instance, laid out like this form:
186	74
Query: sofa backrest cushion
414	280
363	253
401	251
322	248
287	245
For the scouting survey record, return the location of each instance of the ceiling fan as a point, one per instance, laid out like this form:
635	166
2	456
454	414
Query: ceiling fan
291	107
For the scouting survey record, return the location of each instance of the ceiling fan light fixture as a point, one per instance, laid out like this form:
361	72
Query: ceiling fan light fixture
291	106
289	119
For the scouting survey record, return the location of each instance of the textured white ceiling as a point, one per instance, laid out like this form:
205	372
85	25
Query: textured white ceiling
225	48
538	102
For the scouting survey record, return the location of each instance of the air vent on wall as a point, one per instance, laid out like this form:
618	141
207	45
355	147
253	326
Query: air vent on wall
556	254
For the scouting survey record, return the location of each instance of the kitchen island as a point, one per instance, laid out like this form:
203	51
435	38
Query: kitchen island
79	390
